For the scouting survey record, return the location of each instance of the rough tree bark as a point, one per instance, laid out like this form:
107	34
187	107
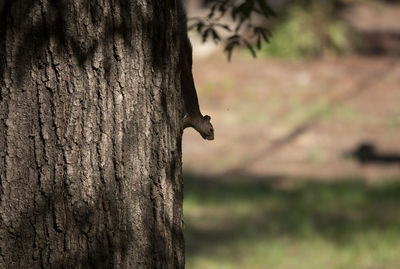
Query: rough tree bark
90	134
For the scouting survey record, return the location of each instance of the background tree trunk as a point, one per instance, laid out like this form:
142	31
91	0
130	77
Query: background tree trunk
90	134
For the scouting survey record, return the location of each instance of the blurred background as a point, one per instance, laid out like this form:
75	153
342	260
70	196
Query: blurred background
304	171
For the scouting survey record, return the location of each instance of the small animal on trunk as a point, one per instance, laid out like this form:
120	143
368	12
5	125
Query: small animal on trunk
192	116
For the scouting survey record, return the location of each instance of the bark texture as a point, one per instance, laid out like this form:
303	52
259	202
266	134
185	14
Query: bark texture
90	134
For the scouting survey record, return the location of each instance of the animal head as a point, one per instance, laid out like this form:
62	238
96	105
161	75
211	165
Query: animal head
206	128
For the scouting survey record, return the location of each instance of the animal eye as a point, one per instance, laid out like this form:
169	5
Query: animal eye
211	130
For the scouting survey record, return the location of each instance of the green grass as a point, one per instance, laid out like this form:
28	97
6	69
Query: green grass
298	110
309	29
253	223
319	110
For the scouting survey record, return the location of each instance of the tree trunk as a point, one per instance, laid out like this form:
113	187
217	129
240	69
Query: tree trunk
90	134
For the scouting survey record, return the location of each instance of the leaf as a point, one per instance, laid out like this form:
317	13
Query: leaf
259	42
215	36
230	46
250	47
213	8
266	10
205	34
265	33
240	11
239	25
200	26
233	37
222	9
226	27
194	25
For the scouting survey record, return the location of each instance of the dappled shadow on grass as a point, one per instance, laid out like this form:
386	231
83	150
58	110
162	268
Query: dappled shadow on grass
222	211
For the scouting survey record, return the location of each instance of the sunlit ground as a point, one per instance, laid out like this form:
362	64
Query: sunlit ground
305	168
304	172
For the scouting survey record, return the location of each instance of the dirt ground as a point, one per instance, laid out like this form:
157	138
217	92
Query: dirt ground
298	148
322	119
298	119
